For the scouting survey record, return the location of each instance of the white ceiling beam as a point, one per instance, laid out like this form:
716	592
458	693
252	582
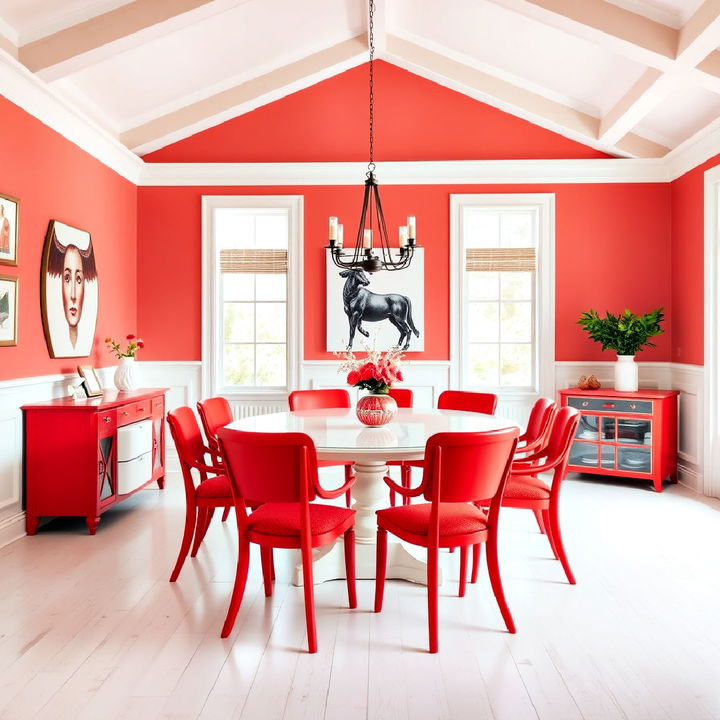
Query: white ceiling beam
700	35
242	98
620	31
79	46
519	101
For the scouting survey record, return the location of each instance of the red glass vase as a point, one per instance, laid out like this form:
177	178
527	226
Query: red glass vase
376	409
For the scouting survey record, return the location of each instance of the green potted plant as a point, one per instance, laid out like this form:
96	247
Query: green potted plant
626	334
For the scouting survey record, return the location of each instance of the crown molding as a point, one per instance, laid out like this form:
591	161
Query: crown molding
25	90
461	172
694	152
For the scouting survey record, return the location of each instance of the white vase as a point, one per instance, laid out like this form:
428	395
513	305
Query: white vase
126	376
626	373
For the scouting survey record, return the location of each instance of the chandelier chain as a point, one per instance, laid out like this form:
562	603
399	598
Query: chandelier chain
371	164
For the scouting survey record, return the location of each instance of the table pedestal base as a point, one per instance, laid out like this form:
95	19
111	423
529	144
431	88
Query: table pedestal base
329	564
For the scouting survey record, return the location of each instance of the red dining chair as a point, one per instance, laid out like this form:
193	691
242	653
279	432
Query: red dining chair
525	489
538	426
404	399
460	469
278	472
321	400
215	412
468	401
211	492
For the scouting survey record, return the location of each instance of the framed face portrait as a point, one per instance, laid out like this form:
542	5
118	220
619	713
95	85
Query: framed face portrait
69	291
91	383
8	310
9	211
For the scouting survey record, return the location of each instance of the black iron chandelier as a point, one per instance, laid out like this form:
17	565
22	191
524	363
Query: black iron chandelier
363	255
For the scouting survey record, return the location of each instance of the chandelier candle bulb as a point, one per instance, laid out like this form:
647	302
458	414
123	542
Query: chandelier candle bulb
403	235
411	226
367	239
333	228
340	233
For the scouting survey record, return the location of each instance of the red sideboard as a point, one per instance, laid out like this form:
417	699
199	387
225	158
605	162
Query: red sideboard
82	457
625	434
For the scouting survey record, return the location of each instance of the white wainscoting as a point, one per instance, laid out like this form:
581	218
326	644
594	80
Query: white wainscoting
426	379
689	379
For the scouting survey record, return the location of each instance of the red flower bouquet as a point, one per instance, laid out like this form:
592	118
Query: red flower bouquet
376	373
134	344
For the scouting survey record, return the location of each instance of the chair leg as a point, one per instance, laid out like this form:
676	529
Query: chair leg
380	568
226	513
476	552
540	521
348	495
349	543
432	589
200	528
239	587
309	591
549	533
190	521
406	480
554	516
494	570
463	570
266	561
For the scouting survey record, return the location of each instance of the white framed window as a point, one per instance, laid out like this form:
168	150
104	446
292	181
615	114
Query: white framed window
502	293
252	294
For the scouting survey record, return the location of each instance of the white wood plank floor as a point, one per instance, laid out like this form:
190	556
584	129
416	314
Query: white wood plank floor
91	628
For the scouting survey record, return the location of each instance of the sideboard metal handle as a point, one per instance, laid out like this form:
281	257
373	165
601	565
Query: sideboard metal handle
585	403
106	419
141	409
633	406
608	405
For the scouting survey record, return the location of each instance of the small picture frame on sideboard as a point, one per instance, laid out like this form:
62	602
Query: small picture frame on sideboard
91	383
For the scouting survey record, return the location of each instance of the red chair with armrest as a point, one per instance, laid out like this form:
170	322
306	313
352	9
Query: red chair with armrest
538	426
211	492
460	469
278	473
215	413
321	400
525	489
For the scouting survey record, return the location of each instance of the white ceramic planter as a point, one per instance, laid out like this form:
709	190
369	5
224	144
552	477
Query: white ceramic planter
626	373
126	376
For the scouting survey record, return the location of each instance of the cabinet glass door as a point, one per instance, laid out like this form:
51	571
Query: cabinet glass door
106	467
584	454
631	431
637	460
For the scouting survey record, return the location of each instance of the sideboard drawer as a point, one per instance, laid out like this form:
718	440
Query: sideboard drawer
143	410
611	405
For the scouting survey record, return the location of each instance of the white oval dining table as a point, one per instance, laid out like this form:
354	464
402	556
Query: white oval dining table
339	435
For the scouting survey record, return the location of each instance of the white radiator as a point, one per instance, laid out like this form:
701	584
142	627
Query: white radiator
245	410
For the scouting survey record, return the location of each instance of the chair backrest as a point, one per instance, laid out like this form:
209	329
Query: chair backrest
269	467
188	441
469	466
561	437
319	399
468	401
402	396
540	420
214	413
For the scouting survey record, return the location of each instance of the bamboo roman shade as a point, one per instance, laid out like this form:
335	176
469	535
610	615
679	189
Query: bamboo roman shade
501	259
252	260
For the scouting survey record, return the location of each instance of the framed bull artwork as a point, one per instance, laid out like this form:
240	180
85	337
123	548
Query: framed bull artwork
390	305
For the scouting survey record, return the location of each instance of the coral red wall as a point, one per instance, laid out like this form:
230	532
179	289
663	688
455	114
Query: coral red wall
415	119
688	247
54	179
613	241
612	251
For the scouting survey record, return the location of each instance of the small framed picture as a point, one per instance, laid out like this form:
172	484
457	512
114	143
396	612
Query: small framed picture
91	383
9	207
8	310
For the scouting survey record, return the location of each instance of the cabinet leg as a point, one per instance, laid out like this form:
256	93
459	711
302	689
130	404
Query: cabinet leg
161	482
31	524
658	483
92	523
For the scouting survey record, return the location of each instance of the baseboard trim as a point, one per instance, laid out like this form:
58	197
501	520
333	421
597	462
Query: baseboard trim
12	528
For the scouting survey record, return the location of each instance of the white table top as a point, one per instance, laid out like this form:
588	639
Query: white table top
338	434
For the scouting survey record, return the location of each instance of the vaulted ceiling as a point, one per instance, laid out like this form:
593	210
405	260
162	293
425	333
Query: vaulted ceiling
635	78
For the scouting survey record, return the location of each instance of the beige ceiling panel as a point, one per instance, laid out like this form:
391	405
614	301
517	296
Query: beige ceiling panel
247	92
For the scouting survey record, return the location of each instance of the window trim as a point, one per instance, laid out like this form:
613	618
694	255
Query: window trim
211	325
544	205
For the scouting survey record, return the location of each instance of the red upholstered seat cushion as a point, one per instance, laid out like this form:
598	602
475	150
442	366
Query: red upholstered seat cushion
526	487
455	519
284	519
214	487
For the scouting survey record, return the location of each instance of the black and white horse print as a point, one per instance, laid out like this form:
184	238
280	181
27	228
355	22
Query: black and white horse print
362	304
